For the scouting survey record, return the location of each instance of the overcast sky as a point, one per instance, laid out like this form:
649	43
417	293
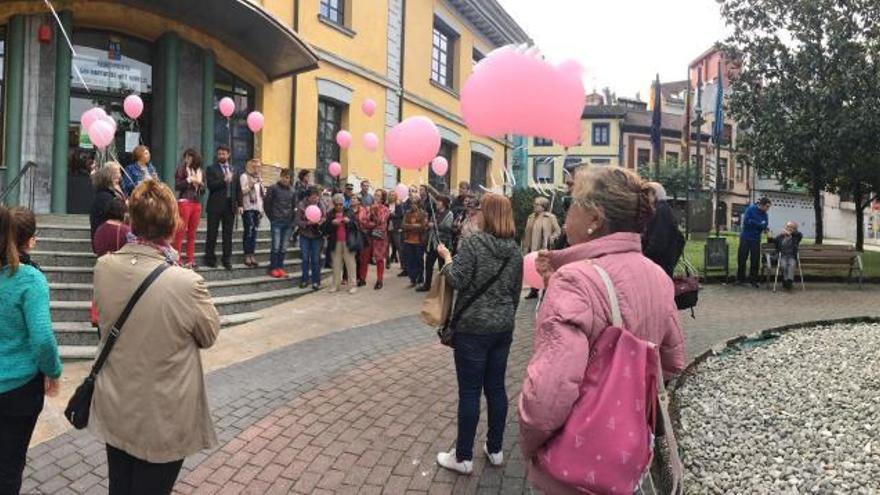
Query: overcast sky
622	43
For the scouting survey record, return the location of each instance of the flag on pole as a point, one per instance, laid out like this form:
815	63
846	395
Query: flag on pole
718	125
656	121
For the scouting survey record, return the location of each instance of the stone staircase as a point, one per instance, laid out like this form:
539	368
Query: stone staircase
64	253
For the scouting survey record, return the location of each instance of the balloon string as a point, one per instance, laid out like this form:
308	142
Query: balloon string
69	44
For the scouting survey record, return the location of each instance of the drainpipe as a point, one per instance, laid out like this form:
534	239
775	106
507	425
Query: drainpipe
14	102
402	65
60	136
294	90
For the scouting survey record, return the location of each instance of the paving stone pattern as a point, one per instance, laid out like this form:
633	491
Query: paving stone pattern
366	410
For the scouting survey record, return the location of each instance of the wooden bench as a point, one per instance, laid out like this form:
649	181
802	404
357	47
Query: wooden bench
824	257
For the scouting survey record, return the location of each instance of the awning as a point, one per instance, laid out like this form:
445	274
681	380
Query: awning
255	34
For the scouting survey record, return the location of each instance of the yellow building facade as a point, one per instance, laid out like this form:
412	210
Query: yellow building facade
307	65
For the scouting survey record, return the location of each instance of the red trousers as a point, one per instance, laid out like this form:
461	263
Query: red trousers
190	214
365	256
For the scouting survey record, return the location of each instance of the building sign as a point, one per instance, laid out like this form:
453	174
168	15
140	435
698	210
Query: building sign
112	76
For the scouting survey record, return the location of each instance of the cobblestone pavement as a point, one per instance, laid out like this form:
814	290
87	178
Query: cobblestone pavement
365	410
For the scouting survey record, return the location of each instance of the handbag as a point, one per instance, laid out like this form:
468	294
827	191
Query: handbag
377	234
607	442
687	288
438	304
77	410
446	332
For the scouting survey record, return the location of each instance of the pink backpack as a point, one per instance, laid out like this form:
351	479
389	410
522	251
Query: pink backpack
606	445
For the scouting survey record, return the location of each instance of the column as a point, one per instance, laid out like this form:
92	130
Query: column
60	139
14	102
169	57
208	107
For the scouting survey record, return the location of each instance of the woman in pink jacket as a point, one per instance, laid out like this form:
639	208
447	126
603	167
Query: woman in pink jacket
610	207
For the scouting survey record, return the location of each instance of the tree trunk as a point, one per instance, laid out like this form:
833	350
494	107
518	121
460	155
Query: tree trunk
858	198
817	211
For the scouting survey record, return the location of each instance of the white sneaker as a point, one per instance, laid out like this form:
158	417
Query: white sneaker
448	460
494	459
332	290
353	290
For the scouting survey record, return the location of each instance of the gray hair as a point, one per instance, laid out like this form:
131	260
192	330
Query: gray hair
338	199
659	191
103	177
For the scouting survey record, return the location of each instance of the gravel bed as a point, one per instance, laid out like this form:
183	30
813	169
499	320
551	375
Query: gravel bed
795	414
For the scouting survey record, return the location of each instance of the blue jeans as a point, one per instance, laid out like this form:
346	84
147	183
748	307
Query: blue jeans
414	259
251	219
280	234
311	257
480	365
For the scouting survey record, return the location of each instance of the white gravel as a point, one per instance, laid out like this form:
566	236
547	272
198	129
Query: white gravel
797	414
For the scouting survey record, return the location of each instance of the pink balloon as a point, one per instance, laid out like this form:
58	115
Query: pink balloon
110	120
371	141
255	121
402	192
531	277
334	169
440	166
343	139
226	106
514	91
369	107
313	214
412	143
133	106
90	116
101	133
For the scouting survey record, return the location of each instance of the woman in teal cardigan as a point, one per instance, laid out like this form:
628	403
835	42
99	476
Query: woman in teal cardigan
29	362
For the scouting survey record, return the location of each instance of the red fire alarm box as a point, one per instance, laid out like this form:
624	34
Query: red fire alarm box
45	33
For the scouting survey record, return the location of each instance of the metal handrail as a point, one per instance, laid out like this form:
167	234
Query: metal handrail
16	180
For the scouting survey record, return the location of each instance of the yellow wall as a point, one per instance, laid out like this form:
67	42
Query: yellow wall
585	150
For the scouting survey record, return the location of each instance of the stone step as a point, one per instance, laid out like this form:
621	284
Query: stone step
83	274
66	245
79	340
84	231
231	287
78	311
87	259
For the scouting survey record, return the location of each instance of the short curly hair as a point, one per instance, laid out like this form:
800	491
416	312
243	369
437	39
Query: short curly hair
153	211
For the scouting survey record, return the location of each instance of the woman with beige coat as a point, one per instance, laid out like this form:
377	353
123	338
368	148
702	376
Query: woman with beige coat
150	405
542	229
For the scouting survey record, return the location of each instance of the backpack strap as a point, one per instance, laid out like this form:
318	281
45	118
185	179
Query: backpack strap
616	319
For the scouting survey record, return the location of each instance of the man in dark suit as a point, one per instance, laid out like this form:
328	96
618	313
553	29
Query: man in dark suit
223	204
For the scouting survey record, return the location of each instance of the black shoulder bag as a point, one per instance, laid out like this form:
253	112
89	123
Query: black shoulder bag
447	331
77	411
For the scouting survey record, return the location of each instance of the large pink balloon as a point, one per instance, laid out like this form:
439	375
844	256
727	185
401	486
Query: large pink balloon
343	139
133	106
531	277
371	141
226	106
255	121
402	192
440	166
369	107
110	120
514	91
412	143
313	214
334	169
101	133
90	116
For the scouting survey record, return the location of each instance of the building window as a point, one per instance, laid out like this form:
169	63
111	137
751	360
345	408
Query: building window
543	142
727	134
234	132
643	157
479	170
722	174
441	182
601	134
740	171
333	11
476	56
443	54
329	123
542	172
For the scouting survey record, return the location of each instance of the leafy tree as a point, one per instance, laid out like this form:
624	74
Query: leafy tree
673	176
